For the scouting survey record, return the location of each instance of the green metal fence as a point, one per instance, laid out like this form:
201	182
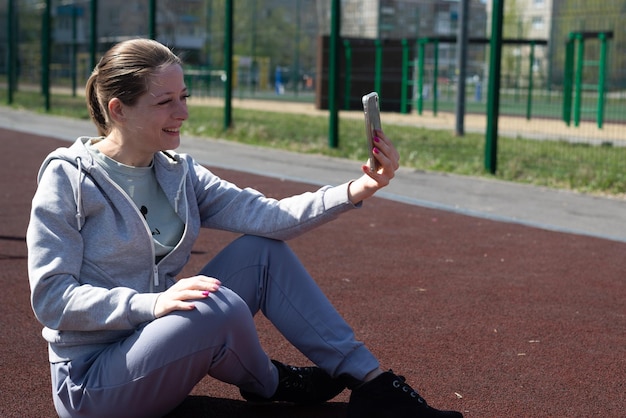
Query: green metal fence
565	65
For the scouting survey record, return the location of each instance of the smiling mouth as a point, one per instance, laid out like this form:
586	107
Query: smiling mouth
172	131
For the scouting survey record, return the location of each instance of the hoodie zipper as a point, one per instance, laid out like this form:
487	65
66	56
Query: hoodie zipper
155	269
181	190
155	273
180	241
155	282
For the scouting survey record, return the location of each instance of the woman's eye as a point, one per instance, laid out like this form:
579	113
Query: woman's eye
183	98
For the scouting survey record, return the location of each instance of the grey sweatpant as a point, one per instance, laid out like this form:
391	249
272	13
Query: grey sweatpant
152	371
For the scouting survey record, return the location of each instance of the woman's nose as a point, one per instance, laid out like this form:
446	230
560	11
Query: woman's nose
182	112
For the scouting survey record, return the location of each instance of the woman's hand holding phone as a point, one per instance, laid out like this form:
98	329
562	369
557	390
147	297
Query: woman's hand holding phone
383	160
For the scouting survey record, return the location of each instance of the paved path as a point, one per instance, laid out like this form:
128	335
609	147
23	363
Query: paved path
492	199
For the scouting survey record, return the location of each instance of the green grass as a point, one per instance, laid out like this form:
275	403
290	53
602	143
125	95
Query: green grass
584	168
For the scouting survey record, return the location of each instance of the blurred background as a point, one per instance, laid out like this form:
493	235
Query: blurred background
277	46
561	60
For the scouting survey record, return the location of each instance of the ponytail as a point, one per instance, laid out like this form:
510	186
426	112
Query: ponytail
93	104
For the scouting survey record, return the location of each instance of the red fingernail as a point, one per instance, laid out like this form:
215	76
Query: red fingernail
376	139
205	293
376	151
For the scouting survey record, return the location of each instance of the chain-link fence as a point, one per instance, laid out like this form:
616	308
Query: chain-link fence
562	61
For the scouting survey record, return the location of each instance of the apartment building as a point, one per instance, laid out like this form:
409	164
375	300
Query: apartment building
526	20
397	19
180	23
413	19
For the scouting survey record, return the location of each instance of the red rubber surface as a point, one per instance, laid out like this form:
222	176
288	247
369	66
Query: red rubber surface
489	318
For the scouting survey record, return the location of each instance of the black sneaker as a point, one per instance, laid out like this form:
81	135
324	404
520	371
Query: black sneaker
388	396
300	385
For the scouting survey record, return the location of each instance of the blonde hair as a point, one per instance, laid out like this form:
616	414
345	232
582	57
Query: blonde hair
123	72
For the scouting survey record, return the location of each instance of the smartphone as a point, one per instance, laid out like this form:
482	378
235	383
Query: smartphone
372	121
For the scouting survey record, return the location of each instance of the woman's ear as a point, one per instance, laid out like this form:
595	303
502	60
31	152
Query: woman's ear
116	110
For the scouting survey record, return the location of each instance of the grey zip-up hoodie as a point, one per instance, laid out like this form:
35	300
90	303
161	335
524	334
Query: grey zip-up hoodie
91	261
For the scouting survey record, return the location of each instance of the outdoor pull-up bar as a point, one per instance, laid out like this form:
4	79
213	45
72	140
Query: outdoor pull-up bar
422	42
573	77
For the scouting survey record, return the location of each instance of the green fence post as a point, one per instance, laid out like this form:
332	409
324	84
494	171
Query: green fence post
568	79
253	66
333	74
11	51
296	73
93	36
579	78
152	19
74	50
45	55
601	79
518	62
493	96
379	66
405	77
462	42
420	76
347	74
228	65
435	77
529	99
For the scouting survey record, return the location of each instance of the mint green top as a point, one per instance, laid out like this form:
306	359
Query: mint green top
141	186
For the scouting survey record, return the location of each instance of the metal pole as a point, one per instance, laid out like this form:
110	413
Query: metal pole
420	76
296	72
253	63
461	65
209	16
152	19
518	62
529	99
333	74
435	78
567	79
578	79
228	64
378	69
11	50
493	95
601	79
74	49
45	55
93	41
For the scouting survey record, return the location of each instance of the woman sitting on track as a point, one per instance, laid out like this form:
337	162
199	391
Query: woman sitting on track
113	223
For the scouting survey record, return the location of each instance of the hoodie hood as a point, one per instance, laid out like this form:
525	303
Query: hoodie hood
86	165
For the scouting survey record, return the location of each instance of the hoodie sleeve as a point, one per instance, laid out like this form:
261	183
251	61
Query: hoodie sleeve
59	297
225	206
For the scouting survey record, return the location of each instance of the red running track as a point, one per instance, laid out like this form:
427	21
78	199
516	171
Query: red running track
493	319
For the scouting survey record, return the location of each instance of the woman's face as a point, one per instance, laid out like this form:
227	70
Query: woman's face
153	123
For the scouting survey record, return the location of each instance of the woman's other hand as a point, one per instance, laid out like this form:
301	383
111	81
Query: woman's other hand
178	297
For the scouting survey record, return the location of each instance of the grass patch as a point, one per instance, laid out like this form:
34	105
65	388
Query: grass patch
555	164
